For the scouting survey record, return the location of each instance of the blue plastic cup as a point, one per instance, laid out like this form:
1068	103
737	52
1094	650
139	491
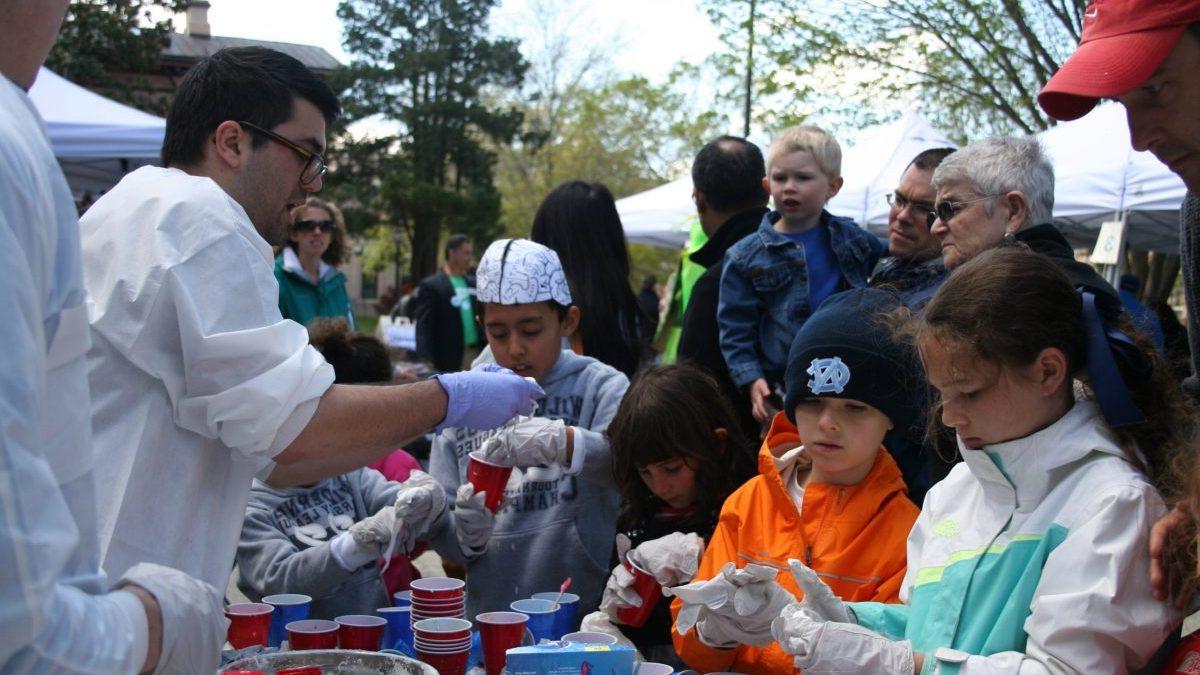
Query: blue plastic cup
541	617
289	607
402	599
564	617
398	633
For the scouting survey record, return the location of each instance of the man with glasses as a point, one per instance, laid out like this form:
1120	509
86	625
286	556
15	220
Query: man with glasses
198	383
913	268
1002	189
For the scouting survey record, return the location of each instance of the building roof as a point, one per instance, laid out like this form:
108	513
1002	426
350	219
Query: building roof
191	48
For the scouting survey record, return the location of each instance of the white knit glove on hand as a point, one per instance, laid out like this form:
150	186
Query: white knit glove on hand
193	620
735	607
822	647
818	596
531	441
419	504
472	520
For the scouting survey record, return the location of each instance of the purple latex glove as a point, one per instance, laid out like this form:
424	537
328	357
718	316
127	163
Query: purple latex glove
486	397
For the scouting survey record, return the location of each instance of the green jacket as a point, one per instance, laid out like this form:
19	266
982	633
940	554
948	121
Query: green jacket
301	300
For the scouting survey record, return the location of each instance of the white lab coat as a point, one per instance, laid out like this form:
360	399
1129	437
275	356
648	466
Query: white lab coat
197	382
54	614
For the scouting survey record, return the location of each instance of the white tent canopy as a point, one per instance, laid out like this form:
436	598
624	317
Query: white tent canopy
662	216
94	138
1098	175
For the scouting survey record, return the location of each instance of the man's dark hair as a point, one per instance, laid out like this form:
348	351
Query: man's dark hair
928	160
243	84
729	173
455	242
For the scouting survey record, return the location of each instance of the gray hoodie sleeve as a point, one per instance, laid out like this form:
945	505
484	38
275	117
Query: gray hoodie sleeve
377	491
269	563
597	463
443	466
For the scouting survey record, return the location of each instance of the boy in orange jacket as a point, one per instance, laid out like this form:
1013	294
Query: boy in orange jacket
828	494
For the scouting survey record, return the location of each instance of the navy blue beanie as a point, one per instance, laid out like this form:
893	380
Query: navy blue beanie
846	349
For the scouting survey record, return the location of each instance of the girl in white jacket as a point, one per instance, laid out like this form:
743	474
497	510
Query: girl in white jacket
1030	557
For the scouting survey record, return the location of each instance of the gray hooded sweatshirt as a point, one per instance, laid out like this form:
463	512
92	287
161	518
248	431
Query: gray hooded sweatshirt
549	527
285	542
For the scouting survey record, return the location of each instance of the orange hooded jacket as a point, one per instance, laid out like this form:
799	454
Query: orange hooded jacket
853	536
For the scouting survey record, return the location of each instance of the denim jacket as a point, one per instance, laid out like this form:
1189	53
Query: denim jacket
764	292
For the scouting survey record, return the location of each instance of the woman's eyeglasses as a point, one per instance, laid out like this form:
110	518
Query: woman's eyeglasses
947	211
310	225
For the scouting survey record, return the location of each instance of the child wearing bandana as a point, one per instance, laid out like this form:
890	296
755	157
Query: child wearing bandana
828	494
558	518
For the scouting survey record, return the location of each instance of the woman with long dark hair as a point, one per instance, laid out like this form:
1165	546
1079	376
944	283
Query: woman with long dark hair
579	222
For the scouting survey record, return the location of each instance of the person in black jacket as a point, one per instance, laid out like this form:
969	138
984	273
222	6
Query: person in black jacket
444	309
729	188
1002	189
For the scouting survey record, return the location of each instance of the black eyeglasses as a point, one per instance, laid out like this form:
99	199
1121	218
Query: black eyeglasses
314	162
947	211
310	225
901	202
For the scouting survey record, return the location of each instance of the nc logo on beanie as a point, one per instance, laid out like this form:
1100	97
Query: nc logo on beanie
829	376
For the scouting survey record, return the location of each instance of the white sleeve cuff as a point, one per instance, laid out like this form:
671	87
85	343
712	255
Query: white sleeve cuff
129	605
349	554
578	453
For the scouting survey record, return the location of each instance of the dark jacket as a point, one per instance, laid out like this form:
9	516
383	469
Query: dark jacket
700	337
1189	251
915	283
1047	240
439	321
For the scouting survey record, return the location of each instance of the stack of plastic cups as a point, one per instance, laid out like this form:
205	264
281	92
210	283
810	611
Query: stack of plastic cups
438	598
541	617
398	634
443	643
249	624
289	607
564	616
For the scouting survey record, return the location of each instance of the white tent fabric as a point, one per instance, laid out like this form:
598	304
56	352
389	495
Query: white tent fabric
1098	175
873	166
662	216
95	139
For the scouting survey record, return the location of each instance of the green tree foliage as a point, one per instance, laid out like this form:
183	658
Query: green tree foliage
976	65
427	65
103	37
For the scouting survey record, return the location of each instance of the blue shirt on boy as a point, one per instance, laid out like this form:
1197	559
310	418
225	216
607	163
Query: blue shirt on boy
765	296
823	274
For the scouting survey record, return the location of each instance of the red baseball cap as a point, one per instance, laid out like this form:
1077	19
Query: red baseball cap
1123	43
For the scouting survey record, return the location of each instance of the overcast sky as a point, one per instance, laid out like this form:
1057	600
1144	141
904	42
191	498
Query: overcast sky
653	34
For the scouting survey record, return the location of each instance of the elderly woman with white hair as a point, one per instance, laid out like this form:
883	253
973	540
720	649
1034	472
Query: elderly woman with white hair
1002	189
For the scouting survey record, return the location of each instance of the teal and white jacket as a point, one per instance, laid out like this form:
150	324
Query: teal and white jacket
1031	557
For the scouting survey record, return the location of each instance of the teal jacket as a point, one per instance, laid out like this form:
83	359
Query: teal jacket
301	300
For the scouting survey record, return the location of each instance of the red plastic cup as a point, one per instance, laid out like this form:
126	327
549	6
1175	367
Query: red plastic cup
648	590
441	629
249	624
447	664
500	632
488	477
436	588
312	634
360	631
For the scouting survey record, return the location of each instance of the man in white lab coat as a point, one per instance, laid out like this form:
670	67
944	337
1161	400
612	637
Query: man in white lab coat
198	384
58	611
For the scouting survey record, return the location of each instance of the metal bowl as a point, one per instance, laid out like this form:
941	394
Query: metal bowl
340	661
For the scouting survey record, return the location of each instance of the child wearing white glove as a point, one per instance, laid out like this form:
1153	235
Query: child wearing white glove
677	453
559	509
828	494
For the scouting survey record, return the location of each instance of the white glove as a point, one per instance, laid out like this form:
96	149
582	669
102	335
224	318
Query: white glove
819	598
419	504
365	541
531	441
832	647
472	520
193	620
672	559
735	607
